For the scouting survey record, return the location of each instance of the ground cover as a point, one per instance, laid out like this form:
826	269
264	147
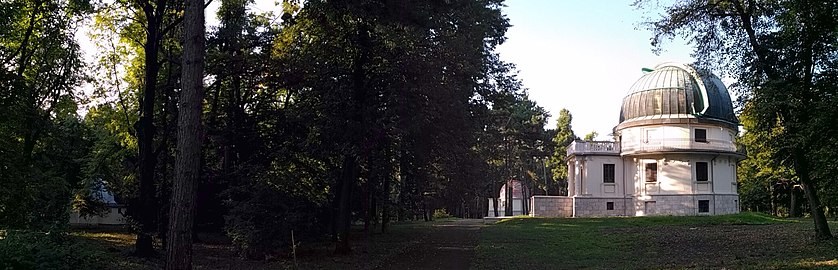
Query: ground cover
747	240
742	241
443	244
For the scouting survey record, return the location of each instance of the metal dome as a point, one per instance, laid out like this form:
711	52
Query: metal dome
677	93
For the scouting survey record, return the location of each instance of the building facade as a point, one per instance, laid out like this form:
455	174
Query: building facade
674	152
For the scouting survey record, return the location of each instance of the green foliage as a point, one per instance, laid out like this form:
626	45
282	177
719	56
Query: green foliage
564	136
758	175
41	137
441	213
591	136
783	55
262	217
35	250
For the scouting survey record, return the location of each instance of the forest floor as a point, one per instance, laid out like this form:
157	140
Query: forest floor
442	244
743	241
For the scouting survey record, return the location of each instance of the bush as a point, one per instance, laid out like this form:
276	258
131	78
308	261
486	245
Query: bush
35	250
440	213
261	218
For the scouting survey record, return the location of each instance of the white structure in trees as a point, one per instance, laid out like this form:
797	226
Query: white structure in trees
674	155
515	199
113	215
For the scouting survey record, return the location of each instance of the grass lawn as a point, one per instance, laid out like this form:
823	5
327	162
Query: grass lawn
746	240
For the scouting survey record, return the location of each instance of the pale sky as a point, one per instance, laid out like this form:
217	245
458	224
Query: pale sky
583	56
574	54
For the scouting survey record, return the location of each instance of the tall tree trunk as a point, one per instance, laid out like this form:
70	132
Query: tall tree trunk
350	164
146	131
188	159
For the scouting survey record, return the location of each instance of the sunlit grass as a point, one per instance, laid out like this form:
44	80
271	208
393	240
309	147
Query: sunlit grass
814	263
123	239
745	240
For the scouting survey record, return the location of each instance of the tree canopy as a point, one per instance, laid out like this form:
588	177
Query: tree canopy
782	55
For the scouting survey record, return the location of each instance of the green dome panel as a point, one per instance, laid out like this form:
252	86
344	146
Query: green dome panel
675	91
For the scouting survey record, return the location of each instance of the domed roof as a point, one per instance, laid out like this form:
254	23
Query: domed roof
677	93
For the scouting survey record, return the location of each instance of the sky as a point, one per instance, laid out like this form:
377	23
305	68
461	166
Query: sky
583	56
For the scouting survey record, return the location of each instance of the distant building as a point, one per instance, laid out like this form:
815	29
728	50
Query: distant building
675	153
519	193
113	215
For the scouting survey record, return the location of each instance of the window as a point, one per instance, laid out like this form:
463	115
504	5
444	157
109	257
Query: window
651	172
704	206
609	206
608	173
701	174
700	135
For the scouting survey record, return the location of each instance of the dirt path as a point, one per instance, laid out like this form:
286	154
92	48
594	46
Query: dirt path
446	245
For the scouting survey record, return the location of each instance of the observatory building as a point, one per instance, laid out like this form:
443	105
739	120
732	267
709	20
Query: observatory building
674	153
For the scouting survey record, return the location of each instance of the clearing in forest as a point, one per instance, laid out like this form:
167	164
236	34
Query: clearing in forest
746	240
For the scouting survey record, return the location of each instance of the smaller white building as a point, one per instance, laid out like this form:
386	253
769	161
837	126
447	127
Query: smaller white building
517	201
113	215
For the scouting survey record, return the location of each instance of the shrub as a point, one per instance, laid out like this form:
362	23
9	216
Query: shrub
440	213
36	250
261	218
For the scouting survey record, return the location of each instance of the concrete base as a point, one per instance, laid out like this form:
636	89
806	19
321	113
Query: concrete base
686	205
647	205
551	206
599	207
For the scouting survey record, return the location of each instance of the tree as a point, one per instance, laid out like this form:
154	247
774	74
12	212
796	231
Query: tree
591	136
189	140
564	136
782	54
147	27
40	66
758	174
154	12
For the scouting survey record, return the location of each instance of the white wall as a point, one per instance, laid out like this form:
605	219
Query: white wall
677	174
676	136
113	216
593	183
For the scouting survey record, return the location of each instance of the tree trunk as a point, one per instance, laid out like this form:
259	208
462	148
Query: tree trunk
146	131
822	231
495	205
350	164
509	209
404	179
793	207
188	157
373	216
385	204
368	207
343	219
383	194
